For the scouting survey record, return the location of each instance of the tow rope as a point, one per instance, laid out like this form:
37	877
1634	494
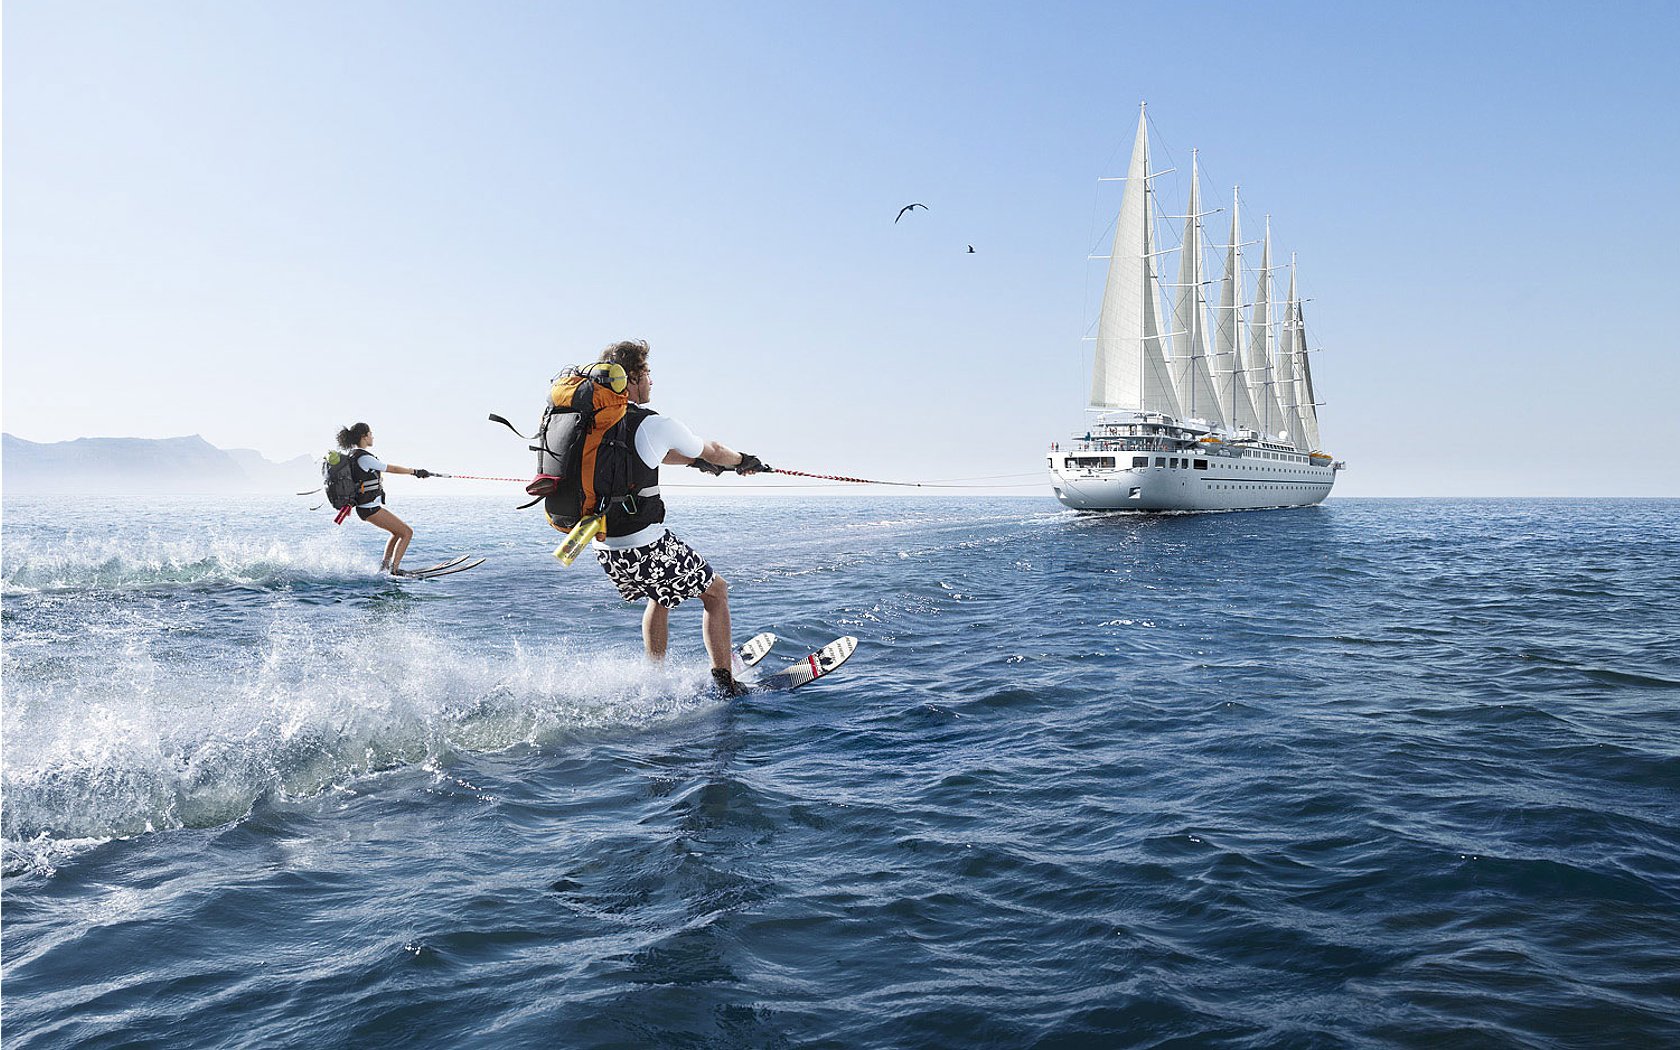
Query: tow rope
855	481
791	473
477	477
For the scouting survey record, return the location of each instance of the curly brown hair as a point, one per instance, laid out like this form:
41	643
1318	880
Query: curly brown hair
631	354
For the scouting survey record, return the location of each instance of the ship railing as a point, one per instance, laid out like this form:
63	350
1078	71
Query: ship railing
1123	445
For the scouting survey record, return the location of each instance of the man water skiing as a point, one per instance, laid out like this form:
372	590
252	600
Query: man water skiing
643	558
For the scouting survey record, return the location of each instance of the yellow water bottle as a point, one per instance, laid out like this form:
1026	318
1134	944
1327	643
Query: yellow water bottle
576	540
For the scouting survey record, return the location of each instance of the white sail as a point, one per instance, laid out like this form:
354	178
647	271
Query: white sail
1286	358
1130	368
1261	376
1229	379
1196	393
1305	399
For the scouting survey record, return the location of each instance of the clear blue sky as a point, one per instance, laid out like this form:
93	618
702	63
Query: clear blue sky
256	221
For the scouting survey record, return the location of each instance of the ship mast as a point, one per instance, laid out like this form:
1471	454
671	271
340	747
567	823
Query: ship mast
1196	391
1304	397
1288	398
1236	401
1260	342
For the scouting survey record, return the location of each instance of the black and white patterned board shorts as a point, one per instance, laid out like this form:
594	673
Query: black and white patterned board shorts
667	570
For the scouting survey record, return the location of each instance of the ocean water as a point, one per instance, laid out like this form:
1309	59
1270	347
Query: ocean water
1377	773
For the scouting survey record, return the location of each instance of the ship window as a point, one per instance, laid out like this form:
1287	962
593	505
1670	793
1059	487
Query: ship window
1140	461
1160	461
1101	462
1201	464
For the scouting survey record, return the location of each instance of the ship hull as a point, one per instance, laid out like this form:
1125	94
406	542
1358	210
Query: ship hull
1191	483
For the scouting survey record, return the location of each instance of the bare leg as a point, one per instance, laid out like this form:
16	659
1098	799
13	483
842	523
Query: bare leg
714	622
656	630
397	545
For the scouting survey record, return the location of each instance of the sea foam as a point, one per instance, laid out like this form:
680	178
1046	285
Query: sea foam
138	743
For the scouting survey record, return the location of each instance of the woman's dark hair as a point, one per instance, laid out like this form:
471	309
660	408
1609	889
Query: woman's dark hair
631	354
352	435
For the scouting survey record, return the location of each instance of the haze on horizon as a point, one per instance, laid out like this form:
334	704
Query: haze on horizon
258	222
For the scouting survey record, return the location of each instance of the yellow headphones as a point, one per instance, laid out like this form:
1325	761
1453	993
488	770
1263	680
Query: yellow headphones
609	374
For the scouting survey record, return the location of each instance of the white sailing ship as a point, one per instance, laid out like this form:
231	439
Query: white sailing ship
1185	425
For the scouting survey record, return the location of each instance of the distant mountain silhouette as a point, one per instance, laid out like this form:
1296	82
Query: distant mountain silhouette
145	466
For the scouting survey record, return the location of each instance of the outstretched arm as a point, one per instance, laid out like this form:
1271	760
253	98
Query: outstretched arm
715	452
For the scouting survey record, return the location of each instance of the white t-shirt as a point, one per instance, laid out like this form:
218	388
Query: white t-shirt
654	438
661	434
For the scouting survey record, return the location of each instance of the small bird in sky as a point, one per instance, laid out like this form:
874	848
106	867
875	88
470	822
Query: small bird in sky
971	249
906	208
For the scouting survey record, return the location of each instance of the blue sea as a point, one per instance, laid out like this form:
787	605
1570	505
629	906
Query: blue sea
1375	773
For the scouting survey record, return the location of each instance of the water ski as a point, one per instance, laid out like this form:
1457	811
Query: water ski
458	559
448	568
755	648
812	667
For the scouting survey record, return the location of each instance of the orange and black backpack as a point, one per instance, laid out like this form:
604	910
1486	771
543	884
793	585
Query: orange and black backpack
585	453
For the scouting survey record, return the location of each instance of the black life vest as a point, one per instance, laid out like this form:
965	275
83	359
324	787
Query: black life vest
644	506
347	482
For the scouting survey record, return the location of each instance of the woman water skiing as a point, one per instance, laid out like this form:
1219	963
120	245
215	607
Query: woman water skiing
366	469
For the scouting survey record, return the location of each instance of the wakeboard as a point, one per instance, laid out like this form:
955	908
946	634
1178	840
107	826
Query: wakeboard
814	666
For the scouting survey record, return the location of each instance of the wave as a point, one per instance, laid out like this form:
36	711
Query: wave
116	562
136	745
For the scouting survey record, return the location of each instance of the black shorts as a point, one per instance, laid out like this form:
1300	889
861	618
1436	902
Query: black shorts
367	512
667	570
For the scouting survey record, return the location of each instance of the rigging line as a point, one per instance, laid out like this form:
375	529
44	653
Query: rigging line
1157	139
1088	320
1106	237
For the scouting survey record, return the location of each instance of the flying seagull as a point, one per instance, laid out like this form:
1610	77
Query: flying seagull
971	249
906	208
